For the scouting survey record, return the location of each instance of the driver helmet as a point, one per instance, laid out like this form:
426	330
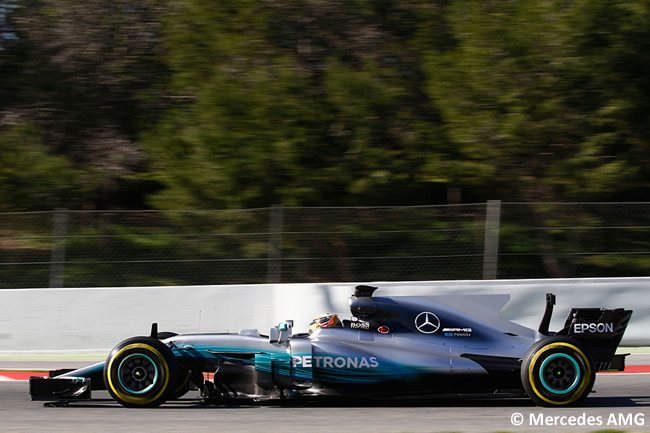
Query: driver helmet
327	320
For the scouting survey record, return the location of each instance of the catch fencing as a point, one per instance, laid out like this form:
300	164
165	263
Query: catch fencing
73	248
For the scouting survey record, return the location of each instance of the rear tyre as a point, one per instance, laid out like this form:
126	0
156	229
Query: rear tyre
557	371
141	372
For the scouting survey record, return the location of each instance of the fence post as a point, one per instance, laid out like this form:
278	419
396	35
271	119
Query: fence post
491	245
276	227
57	257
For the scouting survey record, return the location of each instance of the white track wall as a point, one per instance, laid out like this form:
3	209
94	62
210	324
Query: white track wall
88	319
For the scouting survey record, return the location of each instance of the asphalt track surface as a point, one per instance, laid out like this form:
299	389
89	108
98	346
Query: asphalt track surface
621	402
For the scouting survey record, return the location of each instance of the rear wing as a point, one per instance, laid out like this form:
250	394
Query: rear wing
600	331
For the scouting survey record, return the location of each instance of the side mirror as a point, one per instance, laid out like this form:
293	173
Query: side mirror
282	332
274	334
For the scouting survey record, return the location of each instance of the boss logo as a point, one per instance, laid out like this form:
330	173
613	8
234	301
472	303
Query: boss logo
360	325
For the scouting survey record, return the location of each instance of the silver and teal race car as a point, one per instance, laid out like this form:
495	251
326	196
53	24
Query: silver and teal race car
392	347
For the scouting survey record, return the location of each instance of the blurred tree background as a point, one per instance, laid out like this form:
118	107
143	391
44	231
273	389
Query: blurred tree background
194	104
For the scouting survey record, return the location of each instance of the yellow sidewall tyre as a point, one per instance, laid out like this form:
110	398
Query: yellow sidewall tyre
182	385
557	371
141	372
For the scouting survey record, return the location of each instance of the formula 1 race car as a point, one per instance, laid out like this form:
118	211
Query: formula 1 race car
393	347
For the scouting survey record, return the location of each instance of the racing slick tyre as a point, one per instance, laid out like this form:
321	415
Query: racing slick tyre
141	372
182	385
166	334
557	371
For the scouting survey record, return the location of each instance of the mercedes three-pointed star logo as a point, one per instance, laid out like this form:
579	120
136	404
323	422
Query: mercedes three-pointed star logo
427	322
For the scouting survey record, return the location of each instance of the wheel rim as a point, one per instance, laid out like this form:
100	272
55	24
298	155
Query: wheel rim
559	373
137	373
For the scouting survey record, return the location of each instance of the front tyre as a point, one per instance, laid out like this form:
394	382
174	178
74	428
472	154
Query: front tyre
556	371
141	372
